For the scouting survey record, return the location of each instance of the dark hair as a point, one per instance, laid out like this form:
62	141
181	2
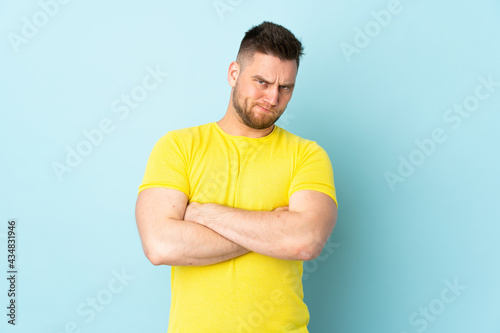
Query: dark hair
271	39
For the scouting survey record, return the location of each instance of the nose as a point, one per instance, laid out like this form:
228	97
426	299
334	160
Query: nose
272	95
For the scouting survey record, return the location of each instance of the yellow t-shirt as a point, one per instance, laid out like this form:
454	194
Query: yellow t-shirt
253	292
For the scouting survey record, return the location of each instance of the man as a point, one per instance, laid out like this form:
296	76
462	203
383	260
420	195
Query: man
237	205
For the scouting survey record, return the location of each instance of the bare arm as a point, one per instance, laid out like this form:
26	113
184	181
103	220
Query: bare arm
169	240
298	233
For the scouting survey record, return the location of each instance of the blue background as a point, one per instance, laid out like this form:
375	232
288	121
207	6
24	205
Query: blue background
395	249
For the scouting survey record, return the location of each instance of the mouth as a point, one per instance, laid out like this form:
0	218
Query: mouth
261	108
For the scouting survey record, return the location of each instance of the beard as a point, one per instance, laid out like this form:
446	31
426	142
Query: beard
249	117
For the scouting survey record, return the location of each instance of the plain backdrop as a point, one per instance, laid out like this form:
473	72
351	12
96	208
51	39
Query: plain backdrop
403	95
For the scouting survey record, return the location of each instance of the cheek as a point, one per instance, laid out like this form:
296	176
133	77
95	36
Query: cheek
247	91
255	93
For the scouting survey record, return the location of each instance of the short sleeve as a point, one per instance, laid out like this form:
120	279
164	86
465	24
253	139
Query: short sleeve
167	165
314	172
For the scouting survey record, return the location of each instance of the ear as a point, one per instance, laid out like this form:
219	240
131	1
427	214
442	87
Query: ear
233	73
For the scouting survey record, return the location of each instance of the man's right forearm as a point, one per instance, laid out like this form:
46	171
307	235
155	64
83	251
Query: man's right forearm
167	239
185	243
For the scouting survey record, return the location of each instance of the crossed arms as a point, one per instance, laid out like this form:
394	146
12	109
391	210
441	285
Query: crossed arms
175	232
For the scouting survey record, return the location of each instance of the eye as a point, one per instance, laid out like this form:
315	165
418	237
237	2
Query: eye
285	88
261	84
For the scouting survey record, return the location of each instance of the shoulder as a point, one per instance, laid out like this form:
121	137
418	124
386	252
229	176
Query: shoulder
302	143
181	141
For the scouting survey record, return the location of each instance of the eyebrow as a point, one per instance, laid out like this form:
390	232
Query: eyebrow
260	78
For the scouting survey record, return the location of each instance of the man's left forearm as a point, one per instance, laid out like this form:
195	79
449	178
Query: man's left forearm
279	233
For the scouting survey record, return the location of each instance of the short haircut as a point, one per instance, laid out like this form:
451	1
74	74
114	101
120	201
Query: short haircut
271	39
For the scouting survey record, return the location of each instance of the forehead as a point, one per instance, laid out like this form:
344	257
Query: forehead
271	68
